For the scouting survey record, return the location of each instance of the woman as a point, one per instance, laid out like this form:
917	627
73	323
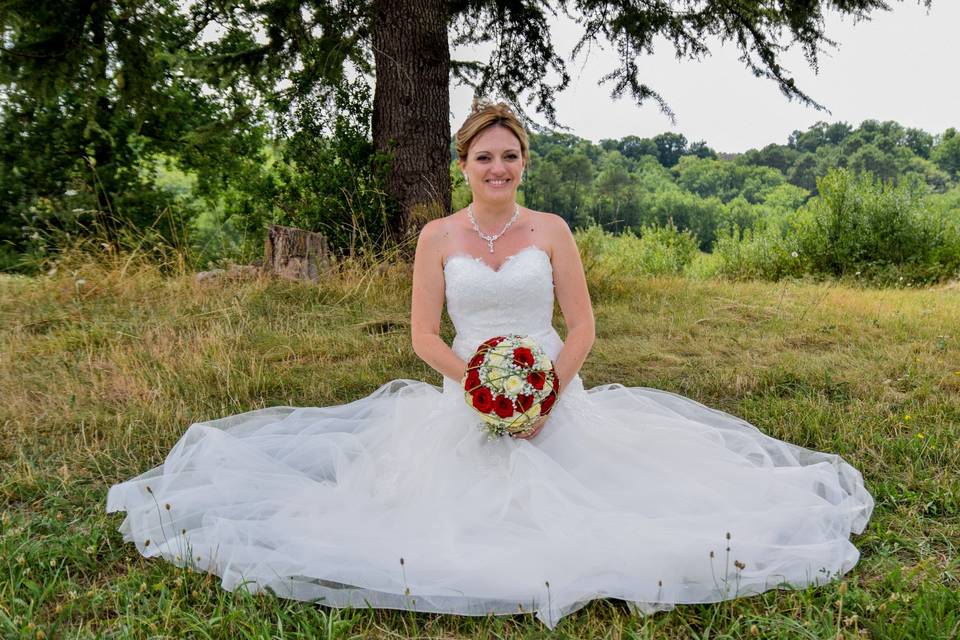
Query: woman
399	500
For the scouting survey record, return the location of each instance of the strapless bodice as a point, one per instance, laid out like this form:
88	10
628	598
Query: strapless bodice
516	298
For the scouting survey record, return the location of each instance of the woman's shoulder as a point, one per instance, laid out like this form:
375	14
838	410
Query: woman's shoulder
437	235
435	230
554	226
552	219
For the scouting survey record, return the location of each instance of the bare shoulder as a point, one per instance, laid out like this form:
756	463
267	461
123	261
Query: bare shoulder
556	230
551	221
432	230
434	233
432	242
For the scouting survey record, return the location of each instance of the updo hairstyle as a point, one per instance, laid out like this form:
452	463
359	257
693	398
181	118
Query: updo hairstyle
488	114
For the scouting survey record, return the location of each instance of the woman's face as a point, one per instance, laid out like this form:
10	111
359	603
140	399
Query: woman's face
494	165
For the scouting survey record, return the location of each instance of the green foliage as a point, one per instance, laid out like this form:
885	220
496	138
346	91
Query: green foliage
327	178
947	205
947	153
745	253
94	93
859	227
658	250
623	184
726	180
670	148
881	229
884	149
685	210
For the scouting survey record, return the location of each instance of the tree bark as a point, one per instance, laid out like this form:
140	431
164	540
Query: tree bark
411	106
295	254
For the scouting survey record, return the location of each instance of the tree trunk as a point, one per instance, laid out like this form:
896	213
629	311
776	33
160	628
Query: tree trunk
411	106
295	254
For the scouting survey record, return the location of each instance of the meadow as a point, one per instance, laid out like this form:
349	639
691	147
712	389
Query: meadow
106	361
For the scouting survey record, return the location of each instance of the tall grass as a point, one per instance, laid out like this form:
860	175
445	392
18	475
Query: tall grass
104	363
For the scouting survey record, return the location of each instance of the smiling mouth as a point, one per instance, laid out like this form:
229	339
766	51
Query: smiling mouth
498	183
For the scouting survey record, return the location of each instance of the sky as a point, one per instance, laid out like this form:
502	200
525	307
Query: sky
901	65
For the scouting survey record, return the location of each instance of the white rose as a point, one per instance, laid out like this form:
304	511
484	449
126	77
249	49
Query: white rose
494	359
513	385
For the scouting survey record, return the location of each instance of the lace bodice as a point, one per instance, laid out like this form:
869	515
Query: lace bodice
517	298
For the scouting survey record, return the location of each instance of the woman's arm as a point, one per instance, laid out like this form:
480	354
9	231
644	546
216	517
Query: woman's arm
570	285
427	304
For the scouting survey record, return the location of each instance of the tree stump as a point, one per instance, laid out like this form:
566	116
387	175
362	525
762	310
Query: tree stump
296	254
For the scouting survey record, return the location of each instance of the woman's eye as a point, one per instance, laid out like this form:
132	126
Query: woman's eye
510	156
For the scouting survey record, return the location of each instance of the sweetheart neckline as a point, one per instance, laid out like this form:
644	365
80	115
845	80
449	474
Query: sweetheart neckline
463	254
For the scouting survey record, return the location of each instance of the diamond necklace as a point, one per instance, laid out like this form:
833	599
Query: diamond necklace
490	239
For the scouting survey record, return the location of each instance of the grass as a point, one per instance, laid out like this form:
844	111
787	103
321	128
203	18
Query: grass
103	365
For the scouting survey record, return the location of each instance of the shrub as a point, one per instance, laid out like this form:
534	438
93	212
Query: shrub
762	253
659	250
327	177
858	227
885	231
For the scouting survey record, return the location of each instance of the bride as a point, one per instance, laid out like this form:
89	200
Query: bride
399	499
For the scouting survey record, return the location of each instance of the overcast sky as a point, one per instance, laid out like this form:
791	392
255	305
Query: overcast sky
901	65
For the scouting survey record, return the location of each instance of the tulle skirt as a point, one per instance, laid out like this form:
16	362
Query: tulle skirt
399	500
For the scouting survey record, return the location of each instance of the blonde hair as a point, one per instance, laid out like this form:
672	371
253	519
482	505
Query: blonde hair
484	115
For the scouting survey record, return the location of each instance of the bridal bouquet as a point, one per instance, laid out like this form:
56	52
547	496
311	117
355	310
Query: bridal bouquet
510	382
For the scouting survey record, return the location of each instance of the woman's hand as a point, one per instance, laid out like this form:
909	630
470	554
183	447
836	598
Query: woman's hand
532	431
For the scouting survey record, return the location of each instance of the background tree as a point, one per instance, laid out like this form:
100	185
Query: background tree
406	44
947	153
96	94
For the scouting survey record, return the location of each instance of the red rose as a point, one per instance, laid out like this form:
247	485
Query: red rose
537	378
492	342
503	406
523	357
547	403
472	381
483	400
475	361
524	402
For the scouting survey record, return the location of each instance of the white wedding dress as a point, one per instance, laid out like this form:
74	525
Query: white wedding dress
399	500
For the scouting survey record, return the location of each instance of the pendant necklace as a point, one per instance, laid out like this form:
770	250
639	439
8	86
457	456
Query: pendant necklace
490	239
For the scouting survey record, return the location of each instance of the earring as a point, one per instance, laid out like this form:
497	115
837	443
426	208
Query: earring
466	180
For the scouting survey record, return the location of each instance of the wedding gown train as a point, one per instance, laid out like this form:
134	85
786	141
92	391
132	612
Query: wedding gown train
399	500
